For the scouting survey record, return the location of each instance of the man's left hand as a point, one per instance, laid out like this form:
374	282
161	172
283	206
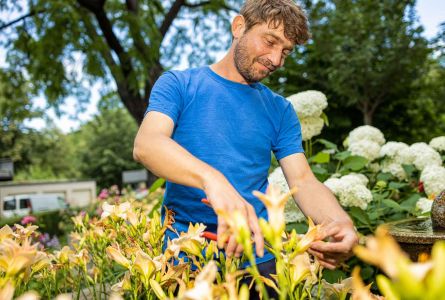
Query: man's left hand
342	237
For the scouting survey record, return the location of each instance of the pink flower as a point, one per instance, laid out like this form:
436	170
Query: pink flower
28	220
103	194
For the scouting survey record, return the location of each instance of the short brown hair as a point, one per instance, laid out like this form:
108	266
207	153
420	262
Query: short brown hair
275	13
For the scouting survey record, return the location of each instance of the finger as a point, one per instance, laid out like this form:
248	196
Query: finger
336	247
331	261
222	232
256	230
327	265
315	253
239	250
231	246
329	231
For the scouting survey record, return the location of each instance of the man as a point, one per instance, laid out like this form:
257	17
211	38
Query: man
210	131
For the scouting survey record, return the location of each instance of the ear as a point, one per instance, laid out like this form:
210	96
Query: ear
238	26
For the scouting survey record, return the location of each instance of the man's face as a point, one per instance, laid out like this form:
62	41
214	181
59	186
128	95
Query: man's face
260	51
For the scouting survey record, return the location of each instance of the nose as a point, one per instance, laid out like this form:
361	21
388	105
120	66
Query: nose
275	58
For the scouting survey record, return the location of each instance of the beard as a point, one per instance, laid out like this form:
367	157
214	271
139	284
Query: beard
246	65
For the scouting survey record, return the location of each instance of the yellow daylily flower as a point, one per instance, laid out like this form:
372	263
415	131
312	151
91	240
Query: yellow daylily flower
145	265
237	224
25	232
313	234
383	252
133	218
80	259
78	220
7	291
115	211
116	255
360	291
299	268
14	257
337	290
6	233
123	285
63	255
275	201
202	289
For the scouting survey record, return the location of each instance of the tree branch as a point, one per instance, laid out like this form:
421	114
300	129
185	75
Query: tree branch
170	16
196	4
30	14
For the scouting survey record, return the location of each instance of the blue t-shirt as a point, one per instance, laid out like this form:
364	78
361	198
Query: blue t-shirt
231	126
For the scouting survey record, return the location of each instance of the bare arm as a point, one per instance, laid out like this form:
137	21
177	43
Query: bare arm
318	202
158	152
312	196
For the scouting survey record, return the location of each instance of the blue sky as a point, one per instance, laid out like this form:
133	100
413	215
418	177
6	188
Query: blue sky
431	13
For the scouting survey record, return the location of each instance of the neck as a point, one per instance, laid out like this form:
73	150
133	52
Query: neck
226	68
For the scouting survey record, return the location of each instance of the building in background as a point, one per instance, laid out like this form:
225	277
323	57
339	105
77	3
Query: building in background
79	193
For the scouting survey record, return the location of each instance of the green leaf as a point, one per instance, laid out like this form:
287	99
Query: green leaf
410	203
325	119
392	204
409	169
319	170
384	176
321	173
320	158
157	184
355	163
334	276
359	215
300	227
327	144
397	185
342	155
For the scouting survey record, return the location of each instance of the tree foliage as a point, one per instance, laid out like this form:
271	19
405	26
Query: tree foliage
370	58
104	146
122	43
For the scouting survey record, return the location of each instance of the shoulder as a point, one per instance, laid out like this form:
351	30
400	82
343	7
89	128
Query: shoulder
186	75
276	100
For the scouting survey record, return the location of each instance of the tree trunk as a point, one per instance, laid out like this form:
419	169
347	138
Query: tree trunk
367	117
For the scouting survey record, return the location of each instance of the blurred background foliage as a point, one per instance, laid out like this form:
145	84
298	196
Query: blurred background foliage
369	57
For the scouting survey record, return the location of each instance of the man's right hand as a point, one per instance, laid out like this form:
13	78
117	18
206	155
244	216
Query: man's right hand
223	197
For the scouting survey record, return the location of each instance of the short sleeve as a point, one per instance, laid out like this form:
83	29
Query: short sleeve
166	96
289	139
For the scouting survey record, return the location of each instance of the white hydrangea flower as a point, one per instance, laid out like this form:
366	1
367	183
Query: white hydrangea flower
366	148
335	185
368	133
423	155
291	211
350	191
407	156
355	195
309	103
393	150
394	168
424	205
310	127
356	178
438	143
433	178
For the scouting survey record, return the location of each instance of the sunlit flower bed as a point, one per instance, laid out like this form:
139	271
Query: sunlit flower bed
120	255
